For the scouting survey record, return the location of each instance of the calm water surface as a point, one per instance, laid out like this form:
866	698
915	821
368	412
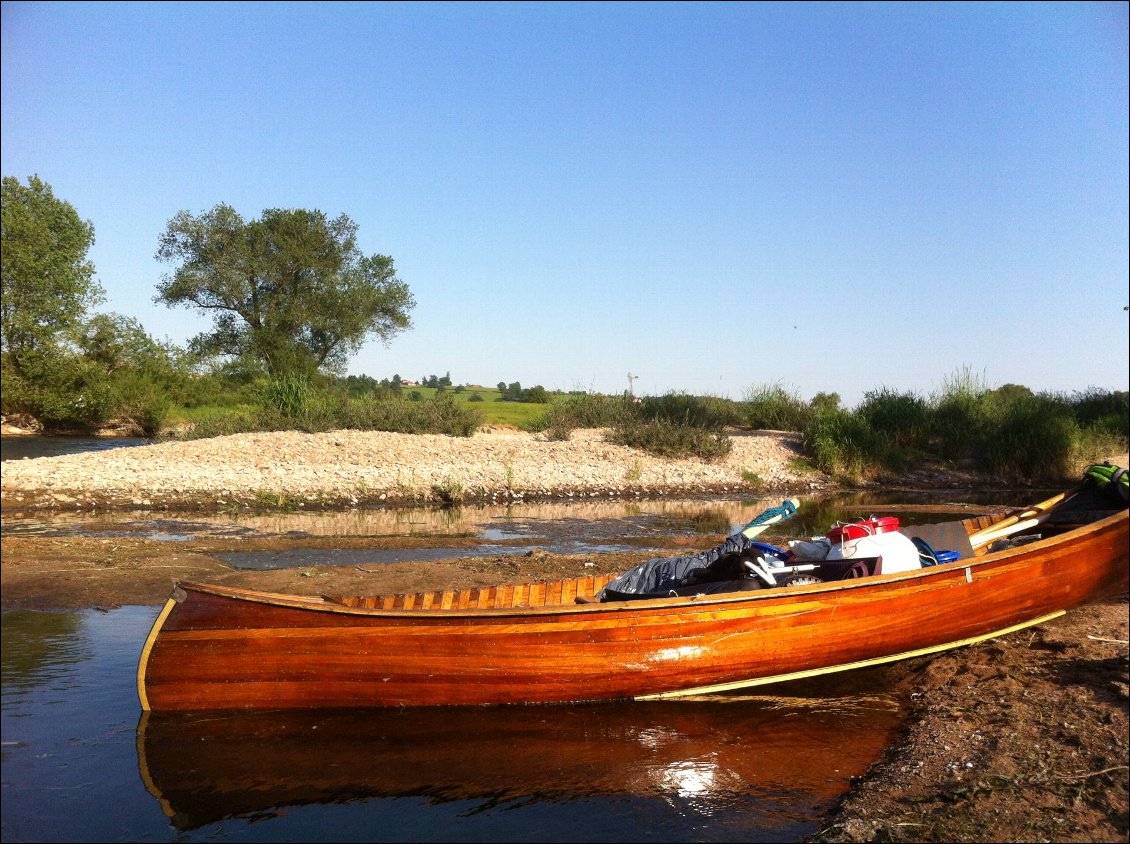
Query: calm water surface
81	763
17	448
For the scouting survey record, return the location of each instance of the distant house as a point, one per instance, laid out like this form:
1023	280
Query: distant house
408	384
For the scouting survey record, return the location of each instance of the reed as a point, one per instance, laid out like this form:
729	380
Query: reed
774	408
841	444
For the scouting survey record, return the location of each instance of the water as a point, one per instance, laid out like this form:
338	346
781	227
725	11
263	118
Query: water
17	448
332	538
81	762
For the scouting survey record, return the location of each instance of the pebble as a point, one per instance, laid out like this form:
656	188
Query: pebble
349	467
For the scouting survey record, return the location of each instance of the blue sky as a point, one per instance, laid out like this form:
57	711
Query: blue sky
714	197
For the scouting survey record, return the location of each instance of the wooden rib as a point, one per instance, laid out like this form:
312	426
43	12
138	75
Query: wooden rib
586	587
505	596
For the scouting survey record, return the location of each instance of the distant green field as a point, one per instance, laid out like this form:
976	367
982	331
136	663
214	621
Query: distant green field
182	415
495	412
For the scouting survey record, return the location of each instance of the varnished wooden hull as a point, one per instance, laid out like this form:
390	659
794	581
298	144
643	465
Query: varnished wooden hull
223	648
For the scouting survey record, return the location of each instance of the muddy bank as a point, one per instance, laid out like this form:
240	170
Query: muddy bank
1023	738
90	571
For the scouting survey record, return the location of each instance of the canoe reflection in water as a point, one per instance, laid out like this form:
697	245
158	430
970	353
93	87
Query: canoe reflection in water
788	758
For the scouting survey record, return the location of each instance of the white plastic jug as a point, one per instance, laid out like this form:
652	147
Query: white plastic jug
897	551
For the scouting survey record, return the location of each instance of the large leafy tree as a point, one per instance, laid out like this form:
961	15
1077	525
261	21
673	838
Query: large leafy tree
291	289
48	283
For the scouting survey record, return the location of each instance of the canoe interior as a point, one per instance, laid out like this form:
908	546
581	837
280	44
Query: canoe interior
558	593
509	596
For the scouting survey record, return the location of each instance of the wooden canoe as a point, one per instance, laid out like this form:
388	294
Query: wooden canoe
216	647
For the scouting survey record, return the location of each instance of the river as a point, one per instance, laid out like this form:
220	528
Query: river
18	448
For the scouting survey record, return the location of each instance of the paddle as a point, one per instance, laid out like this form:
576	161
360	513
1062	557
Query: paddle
770	517
1021	520
986	538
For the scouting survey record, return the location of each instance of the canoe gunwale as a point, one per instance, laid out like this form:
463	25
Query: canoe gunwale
328	605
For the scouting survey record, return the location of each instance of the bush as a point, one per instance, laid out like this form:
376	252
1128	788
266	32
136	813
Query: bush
288	395
582	410
901	420
957	427
707	412
1031	438
141	400
64	392
840	442
773	408
667	439
1103	410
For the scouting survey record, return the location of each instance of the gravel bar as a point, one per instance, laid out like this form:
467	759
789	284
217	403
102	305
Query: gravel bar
351	468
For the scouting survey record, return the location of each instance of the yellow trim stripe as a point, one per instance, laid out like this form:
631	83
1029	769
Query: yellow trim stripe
143	767
143	660
815	672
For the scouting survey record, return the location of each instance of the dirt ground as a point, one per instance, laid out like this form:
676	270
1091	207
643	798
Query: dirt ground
1022	738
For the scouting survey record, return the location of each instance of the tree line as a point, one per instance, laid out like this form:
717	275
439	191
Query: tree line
290	295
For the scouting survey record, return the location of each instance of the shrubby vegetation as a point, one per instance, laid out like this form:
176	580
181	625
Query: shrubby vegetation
514	392
289	404
274	358
1010	431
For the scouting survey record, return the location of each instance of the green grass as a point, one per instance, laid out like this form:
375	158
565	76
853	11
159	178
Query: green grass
519	414
178	415
220	419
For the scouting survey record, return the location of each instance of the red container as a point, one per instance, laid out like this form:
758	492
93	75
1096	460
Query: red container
859	528
885	524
